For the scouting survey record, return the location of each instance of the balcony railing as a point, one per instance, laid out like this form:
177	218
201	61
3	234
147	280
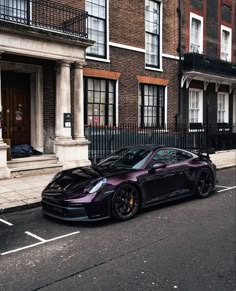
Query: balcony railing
194	48
206	64
46	15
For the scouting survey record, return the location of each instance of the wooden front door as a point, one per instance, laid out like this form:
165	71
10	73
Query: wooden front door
16	107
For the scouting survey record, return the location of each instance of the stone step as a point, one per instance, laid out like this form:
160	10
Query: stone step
33	170
32	161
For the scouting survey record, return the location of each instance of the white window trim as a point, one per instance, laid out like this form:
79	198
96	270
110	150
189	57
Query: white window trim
153	69
200	104
161	19
107	31
226	116
98	59
228	29
107	59
200	18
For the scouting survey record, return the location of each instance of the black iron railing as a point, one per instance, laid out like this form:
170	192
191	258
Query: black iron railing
206	64
45	14
105	140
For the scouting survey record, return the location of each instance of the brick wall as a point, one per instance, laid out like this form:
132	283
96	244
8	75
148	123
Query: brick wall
74	3
130	64
127	27
170	27
127	22
212	28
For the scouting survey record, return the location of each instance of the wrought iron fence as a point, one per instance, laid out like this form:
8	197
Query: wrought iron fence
45	14
106	139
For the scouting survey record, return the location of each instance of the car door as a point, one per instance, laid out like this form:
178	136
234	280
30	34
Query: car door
165	182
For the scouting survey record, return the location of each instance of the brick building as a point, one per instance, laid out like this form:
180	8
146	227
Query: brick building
130	74
209	70
118	63
135	55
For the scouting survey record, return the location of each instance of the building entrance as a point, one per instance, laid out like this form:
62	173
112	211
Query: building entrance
16	107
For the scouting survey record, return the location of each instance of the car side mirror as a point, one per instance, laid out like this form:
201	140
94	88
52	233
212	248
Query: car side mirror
157	166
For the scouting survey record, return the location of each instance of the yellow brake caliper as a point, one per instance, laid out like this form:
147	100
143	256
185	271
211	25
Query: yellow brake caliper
131	201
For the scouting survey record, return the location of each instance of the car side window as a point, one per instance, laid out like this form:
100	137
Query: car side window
182	156
167	156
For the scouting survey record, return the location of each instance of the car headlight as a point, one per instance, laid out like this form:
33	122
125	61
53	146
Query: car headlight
95	186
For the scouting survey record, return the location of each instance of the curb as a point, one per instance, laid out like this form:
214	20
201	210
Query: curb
226	167
19	207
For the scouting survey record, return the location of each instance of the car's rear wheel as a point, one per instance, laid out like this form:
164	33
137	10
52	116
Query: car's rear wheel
125	202
204	183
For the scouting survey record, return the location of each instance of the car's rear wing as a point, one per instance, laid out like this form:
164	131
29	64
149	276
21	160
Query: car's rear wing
202	153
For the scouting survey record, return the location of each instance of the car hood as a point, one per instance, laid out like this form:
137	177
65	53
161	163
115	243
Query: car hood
74	181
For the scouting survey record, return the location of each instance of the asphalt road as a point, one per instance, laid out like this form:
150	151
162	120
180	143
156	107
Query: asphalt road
189	245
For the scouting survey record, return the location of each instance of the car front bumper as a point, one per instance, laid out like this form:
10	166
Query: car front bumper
83	212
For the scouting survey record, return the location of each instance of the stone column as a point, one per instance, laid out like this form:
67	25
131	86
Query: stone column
78	102
4	170
63	100
71	152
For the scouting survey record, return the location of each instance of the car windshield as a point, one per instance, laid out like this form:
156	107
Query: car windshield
127	158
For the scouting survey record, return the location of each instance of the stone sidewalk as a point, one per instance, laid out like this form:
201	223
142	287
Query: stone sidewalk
25	192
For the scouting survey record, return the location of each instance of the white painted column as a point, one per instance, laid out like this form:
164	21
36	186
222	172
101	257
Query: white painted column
4	171
78	102
71	152
63	100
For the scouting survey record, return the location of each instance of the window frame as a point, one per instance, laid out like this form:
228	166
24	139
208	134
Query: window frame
157	67
229	50
106	104
226	108
201	19
105	56
160	124
16	10
200	112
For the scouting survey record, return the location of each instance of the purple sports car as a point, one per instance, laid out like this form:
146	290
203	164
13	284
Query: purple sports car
132	178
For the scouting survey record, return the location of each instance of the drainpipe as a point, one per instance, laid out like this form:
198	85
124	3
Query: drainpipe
180	57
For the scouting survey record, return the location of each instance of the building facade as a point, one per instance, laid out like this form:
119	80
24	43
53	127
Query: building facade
42	44
53	79
151	63
131	73
208	69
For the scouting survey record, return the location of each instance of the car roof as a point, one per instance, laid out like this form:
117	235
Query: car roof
153	147
148	146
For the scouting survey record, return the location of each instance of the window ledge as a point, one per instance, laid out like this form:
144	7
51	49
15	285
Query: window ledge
98	59
153	69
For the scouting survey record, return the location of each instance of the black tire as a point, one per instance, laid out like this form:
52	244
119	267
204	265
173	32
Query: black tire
125	202
204	183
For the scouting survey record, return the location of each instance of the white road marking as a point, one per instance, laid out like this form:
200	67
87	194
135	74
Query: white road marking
62	236
39	243
229	188
6	222
221	186
35	236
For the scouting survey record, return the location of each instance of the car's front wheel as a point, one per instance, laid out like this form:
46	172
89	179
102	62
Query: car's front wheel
204	183
125	202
